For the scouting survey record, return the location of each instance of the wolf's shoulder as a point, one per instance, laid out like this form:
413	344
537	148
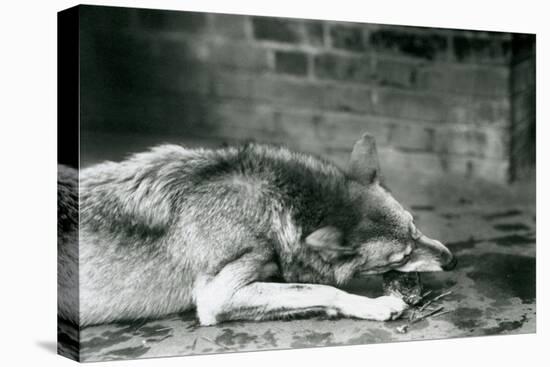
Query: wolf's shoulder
256	157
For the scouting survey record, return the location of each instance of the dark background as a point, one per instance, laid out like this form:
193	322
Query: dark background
440	102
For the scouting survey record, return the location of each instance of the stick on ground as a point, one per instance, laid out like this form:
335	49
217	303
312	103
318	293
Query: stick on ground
435	299
425	316
426	294
442	295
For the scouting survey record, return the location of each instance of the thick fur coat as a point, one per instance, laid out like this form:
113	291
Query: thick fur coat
174	229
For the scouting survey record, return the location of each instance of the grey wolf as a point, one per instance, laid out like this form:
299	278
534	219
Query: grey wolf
240	233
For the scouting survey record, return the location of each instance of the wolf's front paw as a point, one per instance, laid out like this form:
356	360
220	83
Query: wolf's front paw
388	308
379	309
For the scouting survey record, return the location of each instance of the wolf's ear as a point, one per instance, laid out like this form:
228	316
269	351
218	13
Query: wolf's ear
328	242
363	164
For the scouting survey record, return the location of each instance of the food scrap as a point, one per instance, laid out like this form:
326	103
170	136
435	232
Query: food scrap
402	329
408	287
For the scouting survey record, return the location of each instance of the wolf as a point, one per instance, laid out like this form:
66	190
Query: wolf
238	233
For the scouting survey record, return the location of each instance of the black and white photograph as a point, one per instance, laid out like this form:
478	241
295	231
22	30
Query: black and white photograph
231	183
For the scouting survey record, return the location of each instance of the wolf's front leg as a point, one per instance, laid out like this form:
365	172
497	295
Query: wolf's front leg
261	301
228	296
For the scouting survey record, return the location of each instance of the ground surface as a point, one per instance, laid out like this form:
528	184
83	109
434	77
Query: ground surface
493	293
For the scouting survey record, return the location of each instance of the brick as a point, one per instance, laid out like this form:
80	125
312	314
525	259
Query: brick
230	26
395	73
277	29
291	62
343	67
171	21
314	32
482	50
347	37
485	81
468	141
423	45
288	30
235	55
286	92
347	98
412	137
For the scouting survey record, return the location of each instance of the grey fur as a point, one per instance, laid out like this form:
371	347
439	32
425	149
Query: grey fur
67	243
157	227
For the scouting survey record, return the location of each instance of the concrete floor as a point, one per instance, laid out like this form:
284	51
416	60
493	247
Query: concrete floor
493	293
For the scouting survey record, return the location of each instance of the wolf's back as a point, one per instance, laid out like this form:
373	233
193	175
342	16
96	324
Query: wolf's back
163	216
151	186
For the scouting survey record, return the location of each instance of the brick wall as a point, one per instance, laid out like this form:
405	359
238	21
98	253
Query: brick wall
439	101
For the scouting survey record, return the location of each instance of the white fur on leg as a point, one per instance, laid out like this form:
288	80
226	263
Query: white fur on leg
260	301
380	309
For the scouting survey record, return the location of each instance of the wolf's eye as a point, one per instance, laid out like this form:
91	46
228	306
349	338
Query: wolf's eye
401	259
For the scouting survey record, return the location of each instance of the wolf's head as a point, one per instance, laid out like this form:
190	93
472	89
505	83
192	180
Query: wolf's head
385	236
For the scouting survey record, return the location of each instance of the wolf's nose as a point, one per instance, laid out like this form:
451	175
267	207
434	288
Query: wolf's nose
450	265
